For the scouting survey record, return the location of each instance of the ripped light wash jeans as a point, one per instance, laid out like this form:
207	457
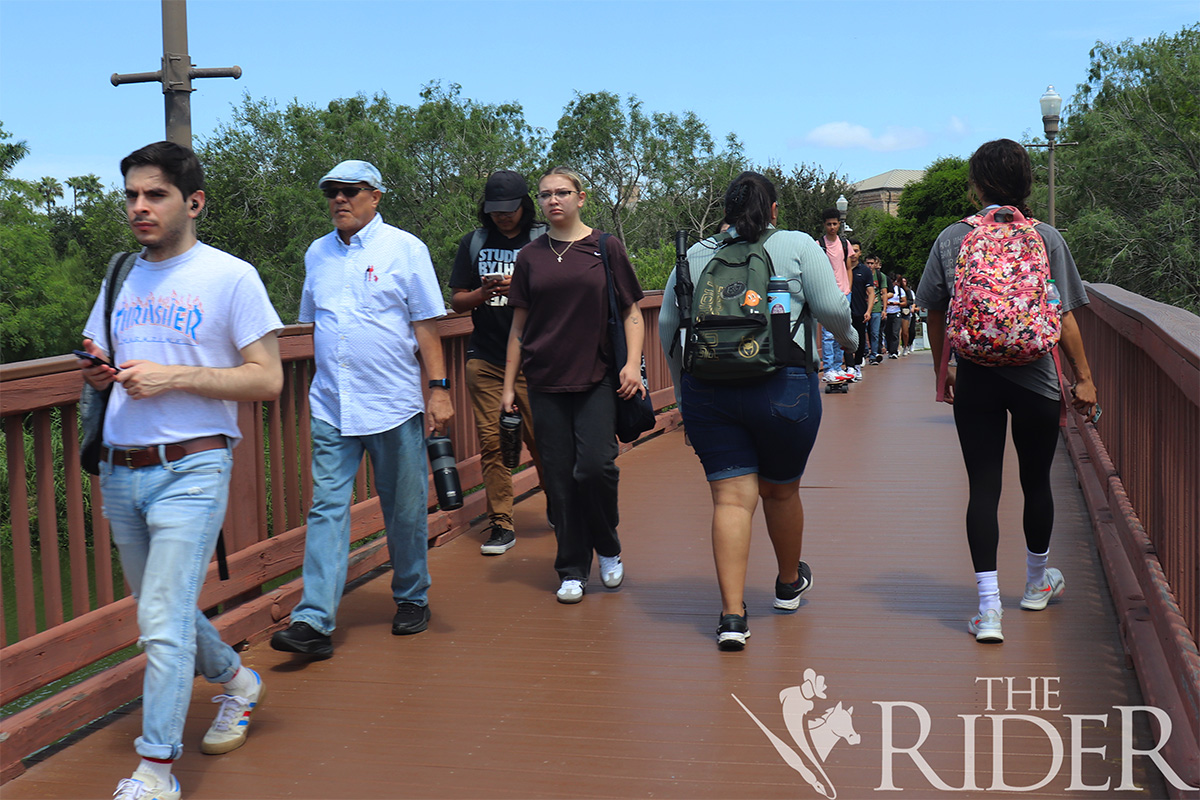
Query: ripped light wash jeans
165	520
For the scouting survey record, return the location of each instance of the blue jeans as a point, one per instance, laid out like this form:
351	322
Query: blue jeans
402	482
165	521
875	332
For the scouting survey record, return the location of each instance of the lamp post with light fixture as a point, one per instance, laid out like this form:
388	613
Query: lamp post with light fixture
1051	103
842	204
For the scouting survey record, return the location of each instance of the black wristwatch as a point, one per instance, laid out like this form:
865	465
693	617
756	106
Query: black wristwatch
444	383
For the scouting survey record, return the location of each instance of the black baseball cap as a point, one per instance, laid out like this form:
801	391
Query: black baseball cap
504	191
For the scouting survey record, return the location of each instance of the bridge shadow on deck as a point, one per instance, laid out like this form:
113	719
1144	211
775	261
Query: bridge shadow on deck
512	695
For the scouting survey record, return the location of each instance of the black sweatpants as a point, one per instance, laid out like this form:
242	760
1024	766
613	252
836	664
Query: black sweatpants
983	402
576	434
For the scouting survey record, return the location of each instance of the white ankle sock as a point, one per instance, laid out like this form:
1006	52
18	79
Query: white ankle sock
242	683
988	584
161	770
1035	567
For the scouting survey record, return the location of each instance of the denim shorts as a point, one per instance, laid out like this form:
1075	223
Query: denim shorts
764	427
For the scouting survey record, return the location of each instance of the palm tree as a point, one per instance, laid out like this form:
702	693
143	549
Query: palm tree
86	186
49	188
10	152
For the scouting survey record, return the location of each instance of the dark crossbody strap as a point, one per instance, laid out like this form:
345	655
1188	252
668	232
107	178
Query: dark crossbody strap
620	350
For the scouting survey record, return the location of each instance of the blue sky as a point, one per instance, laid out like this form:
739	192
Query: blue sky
854	87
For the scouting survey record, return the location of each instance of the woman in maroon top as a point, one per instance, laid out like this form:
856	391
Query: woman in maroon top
559	336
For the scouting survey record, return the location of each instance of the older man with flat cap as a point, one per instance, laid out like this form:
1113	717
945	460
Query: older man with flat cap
371	291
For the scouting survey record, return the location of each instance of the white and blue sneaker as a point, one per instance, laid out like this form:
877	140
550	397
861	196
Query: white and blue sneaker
228	731
145	786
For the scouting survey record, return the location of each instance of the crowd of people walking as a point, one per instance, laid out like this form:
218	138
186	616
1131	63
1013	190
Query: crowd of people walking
542	348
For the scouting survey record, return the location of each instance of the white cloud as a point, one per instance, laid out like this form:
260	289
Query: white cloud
957	128
846	135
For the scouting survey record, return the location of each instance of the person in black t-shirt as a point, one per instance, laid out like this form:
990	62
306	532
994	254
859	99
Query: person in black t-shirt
479	283
862	297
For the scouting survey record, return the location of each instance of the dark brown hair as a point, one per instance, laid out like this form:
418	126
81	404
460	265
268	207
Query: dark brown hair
178	163
748	202
1001	173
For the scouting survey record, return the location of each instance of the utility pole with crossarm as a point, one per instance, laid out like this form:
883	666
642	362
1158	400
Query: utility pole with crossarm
177	73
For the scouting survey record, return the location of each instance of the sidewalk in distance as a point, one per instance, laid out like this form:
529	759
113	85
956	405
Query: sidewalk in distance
510	694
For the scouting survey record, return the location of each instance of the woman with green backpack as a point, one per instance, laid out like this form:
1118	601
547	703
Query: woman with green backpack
999	287
753	434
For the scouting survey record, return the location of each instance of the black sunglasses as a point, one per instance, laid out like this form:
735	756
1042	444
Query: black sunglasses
350	192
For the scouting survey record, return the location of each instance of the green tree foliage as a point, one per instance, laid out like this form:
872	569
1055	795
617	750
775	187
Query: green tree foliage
1129	192
49	189
804	194
51	265
263	168
926	207
647	175
85	186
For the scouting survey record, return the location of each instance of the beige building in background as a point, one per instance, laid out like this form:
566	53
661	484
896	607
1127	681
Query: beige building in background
883	191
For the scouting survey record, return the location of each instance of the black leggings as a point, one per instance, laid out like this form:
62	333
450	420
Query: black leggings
982	402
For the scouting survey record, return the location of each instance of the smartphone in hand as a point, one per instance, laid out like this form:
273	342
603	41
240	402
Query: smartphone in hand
96	360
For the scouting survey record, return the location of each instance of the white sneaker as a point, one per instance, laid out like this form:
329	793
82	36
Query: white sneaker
571	591
612	571
986	626
228	731
144	786
856	374
829	376
1038	595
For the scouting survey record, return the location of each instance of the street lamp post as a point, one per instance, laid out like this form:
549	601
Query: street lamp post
1051	103
842	204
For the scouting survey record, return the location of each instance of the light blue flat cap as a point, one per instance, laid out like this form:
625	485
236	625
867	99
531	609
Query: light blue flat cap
354	172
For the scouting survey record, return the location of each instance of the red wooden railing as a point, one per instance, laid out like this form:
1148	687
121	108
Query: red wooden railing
1139	469
270	494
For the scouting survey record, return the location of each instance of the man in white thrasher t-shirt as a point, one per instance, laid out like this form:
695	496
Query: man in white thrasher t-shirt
192	334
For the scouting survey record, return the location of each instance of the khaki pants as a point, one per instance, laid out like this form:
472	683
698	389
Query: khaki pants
486	383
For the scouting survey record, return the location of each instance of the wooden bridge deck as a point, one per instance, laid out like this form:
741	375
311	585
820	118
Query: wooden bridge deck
512	695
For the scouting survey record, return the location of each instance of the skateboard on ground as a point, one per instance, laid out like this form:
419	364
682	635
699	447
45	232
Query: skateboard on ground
838	387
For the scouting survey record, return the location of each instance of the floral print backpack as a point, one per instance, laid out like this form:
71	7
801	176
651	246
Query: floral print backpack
1000	312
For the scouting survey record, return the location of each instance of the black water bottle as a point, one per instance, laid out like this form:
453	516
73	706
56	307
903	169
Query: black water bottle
445	472
510	438
779	303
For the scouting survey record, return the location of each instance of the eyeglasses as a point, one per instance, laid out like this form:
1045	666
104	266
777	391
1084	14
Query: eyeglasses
350	192
561	194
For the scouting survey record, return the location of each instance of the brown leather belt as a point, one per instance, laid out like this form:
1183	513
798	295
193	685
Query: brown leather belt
148	456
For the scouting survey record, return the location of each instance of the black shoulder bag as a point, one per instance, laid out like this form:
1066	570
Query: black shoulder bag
93	403
635	416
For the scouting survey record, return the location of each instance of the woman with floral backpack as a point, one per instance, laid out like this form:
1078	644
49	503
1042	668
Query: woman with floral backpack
999	288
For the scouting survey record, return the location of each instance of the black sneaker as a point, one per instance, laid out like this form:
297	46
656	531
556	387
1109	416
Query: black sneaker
732	632
787	595
410	618
501	540
300	637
